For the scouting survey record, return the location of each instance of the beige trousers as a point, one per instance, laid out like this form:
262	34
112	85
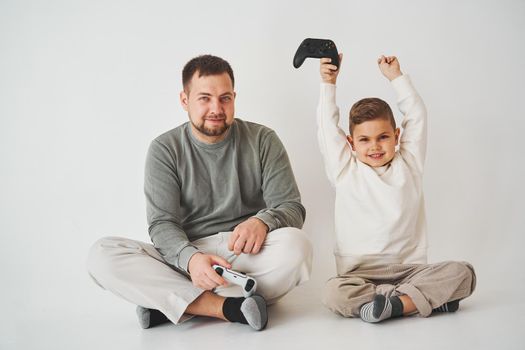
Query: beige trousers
135	270
428	285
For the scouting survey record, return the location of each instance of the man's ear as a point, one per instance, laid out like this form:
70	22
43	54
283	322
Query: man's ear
351	141
184	100
397	133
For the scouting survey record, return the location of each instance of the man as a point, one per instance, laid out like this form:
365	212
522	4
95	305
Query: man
219	190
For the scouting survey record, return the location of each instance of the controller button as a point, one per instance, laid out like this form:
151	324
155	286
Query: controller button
249	285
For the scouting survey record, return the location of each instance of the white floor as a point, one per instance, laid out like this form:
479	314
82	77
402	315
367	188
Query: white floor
488	320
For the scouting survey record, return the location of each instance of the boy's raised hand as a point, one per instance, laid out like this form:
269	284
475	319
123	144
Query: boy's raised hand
389	66
329	72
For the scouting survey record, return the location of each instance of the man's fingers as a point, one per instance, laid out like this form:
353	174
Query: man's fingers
257	246
248	246
203	282
215	278
232	240
219	260
238	246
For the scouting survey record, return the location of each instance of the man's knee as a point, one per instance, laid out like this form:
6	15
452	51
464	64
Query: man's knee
104	254
293	242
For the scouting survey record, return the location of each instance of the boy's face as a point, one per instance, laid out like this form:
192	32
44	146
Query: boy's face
374	142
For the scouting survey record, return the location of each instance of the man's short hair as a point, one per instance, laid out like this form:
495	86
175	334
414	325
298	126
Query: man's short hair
370	108
205	65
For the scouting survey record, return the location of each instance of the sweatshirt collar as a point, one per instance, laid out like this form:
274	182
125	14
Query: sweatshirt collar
229	136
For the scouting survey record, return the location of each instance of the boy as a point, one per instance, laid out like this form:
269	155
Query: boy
379	210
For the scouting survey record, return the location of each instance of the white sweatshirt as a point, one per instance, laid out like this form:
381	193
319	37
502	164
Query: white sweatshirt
379	212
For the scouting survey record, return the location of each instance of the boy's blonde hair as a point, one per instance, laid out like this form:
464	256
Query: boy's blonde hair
370	108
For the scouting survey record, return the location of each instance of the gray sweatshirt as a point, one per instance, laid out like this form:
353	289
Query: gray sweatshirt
194	189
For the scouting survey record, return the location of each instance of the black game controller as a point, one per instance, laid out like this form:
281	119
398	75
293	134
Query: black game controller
316	48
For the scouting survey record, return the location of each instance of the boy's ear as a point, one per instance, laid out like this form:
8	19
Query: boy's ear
351	141
184	100
397	133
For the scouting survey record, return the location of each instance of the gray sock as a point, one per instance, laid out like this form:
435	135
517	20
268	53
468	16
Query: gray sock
150	318
451	306
379	309
254	310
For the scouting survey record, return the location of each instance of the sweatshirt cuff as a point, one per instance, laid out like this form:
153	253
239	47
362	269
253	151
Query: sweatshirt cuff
268	219
184	257
403	86
328	92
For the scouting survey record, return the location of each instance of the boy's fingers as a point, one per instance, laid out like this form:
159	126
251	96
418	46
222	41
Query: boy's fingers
326	60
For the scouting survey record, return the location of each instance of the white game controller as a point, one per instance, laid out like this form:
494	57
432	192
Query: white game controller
248	284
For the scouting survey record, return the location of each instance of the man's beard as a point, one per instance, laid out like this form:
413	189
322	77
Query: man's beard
212	131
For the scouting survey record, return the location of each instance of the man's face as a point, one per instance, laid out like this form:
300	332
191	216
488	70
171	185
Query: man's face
374	142
209	101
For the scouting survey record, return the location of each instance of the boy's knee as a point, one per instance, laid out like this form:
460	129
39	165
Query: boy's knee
340	299
345	294
459	268
332	296
467	271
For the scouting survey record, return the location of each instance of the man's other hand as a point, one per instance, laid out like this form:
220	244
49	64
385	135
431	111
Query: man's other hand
248	237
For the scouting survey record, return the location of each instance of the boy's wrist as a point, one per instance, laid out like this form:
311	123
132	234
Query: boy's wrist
395	76
329	81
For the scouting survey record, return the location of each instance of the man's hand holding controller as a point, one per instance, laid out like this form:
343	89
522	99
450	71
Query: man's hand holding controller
202	273
247	283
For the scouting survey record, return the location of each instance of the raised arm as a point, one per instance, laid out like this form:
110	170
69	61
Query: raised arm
332	139
413	142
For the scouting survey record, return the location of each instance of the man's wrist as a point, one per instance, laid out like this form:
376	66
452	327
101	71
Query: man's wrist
185	256
262	223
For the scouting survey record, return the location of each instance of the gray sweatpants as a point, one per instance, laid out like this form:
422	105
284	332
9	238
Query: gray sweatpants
136	271
428	285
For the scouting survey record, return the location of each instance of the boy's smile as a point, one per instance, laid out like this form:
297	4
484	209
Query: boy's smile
374	142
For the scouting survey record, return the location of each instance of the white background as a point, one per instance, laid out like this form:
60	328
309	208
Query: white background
86	85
